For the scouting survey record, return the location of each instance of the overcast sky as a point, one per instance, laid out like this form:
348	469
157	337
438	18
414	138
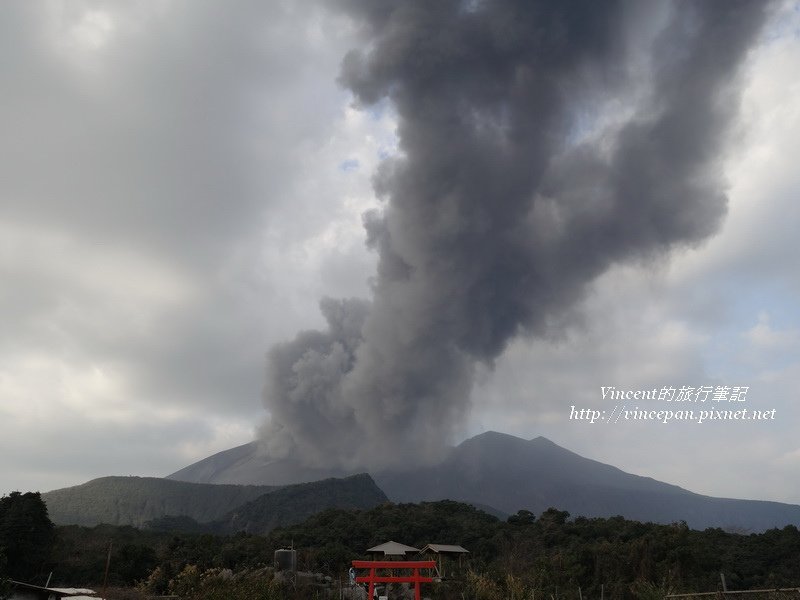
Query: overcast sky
181	182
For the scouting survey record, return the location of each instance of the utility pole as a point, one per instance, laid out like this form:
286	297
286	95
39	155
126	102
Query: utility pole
108	564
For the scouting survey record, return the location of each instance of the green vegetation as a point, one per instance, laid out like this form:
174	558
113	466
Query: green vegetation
5	584
223	584
295	503
26	536
166	505
329	540
136	500
552	555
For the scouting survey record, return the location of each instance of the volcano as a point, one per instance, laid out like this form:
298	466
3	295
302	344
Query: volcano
504	474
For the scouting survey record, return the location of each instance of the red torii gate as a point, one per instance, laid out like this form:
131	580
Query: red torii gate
374	578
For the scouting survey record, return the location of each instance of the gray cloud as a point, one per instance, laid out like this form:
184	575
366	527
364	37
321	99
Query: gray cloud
508	199
168	170
170	141
142	126
172	203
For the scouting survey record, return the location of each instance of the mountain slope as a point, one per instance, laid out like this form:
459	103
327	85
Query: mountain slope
295	503
176	505
244	465
510	473
136	500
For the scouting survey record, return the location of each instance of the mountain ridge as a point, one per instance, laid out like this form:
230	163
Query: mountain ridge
291	504
165	504
507	473
130	500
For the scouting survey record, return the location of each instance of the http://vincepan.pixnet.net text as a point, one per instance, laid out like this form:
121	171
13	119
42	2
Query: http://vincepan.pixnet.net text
667	404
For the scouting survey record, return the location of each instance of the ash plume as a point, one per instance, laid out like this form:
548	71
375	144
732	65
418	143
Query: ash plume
541	143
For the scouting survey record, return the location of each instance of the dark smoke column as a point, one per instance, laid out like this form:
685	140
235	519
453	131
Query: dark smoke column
541	143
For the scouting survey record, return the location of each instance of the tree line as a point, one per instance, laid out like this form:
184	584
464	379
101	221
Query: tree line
550	555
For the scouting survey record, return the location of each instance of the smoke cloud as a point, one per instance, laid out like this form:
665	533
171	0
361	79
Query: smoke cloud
541	143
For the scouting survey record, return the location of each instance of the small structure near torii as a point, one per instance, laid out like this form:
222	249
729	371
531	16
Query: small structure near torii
392	550
438	552
390	564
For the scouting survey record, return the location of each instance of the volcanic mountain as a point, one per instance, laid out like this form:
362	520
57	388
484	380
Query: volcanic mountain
507	474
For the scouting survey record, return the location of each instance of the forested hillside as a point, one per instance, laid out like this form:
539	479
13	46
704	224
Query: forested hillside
285	506
136	500
554	552
295	503
167	505
546	555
